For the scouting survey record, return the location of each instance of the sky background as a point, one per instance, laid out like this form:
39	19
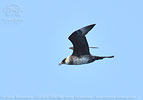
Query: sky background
34	39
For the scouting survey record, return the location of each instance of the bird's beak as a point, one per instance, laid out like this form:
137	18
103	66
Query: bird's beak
60	64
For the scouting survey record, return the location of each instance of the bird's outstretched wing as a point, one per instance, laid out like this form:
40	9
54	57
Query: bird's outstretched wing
79	41
89	47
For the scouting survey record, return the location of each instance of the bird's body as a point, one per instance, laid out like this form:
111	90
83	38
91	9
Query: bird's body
83	59
78	60
81	53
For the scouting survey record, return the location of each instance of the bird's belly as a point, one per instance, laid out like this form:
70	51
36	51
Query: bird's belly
79	61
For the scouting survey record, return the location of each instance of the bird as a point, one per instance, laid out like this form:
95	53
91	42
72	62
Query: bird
81	54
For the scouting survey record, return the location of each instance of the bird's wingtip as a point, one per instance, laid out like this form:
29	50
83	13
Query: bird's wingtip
93	24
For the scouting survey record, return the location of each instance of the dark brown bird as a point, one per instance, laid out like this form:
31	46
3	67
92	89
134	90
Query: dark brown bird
81	53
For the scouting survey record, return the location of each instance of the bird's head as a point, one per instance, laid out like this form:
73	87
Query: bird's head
63	62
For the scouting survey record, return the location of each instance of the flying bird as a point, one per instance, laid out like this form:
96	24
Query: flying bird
81	53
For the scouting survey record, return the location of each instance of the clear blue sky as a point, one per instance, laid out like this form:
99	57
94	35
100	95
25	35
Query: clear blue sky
34	39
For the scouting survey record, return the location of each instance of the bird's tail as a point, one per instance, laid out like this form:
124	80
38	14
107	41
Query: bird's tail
102	57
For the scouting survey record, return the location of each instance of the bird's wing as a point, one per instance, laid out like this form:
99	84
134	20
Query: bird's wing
89	47
79	41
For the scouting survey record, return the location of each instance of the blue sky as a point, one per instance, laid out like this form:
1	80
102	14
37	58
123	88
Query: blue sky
34	39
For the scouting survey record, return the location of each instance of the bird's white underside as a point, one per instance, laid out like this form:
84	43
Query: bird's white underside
77	60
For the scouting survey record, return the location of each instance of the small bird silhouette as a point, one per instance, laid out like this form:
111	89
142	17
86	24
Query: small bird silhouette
81	53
